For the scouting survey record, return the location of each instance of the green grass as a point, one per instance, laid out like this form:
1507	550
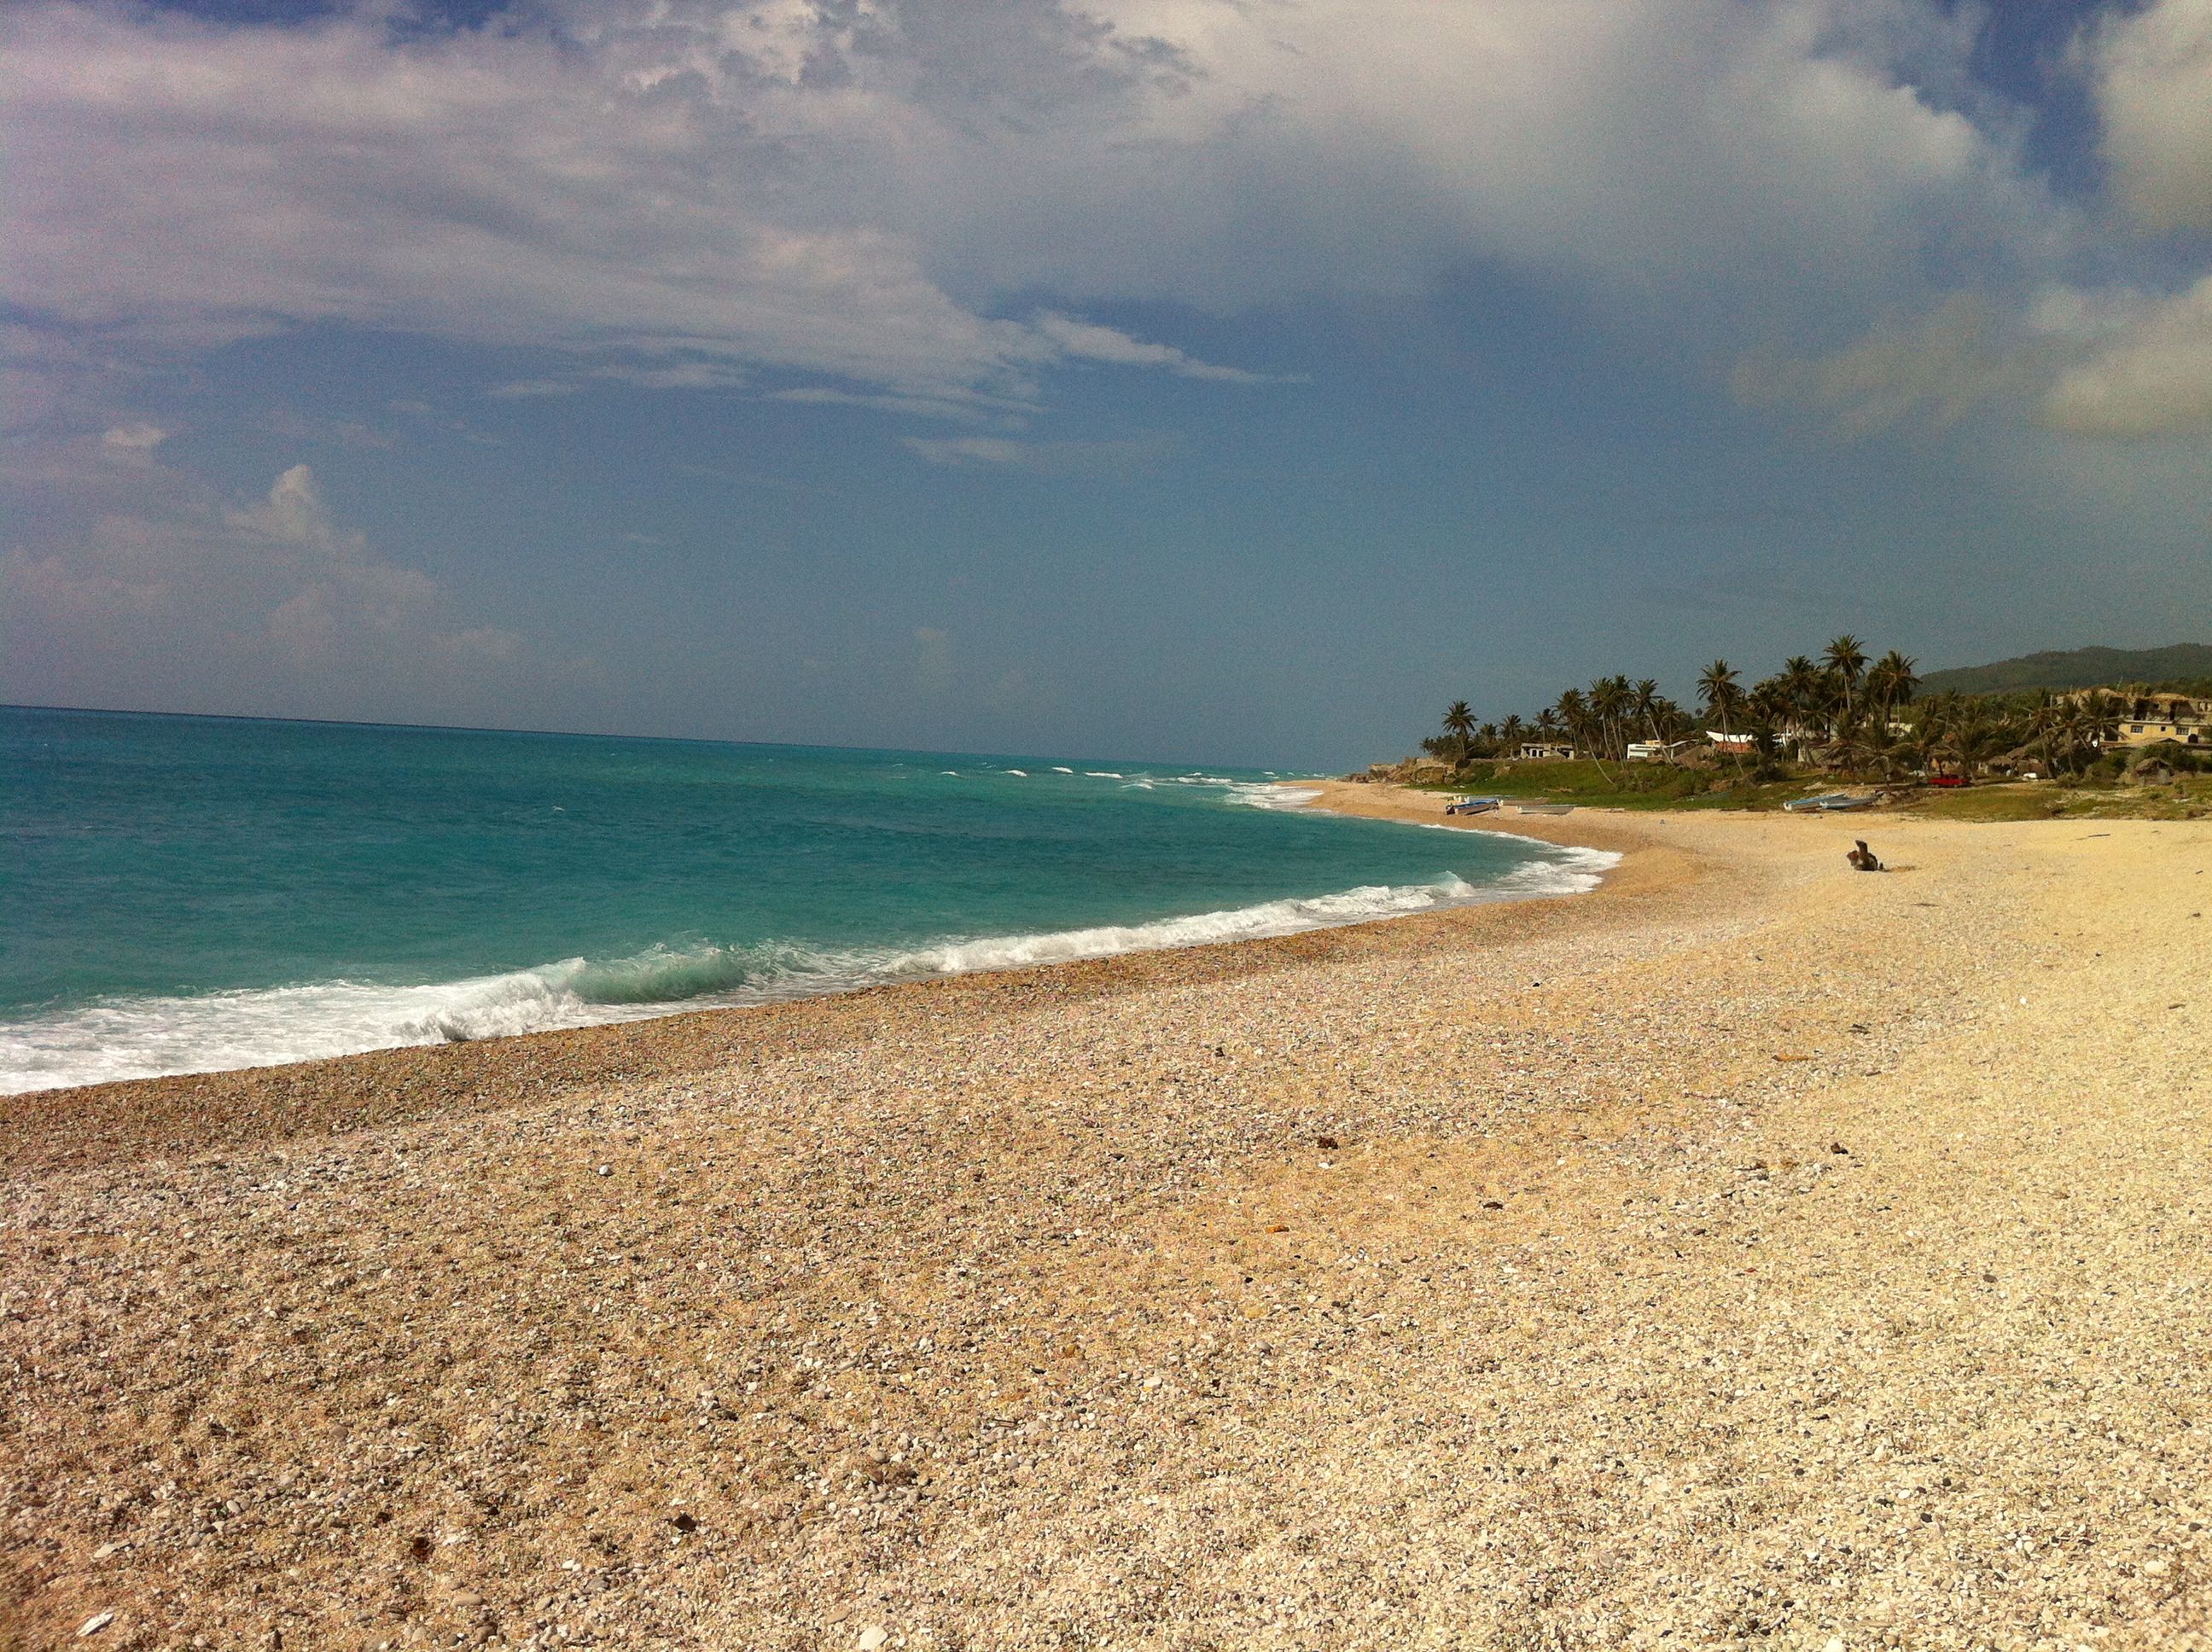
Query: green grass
1658	788
2190	799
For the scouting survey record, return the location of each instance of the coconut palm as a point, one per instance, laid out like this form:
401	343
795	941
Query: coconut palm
1849	750
1573	711
1459	722
1891	683
1801	683
1723	696
1847	659
1646	708
1721	692
1972	739
1611	701
2092	720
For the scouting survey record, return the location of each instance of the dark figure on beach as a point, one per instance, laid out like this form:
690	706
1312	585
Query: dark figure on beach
1862	858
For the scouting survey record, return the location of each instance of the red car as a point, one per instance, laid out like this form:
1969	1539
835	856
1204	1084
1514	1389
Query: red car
1947	780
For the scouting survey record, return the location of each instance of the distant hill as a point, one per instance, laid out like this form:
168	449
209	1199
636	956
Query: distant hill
2075	668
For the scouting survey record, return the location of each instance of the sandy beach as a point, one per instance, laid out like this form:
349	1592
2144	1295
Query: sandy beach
1749	1253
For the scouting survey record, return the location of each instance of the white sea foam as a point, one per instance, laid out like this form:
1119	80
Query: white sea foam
1270	794
138	1038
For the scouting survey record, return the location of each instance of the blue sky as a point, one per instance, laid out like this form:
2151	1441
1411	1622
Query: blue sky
1163	378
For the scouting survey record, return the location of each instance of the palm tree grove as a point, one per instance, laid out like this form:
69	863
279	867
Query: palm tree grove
1843	716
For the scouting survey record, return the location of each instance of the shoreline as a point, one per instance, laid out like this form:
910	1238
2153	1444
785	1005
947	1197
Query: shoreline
1749	1252
385	1085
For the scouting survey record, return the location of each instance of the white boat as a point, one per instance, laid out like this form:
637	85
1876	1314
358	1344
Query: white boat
1544	808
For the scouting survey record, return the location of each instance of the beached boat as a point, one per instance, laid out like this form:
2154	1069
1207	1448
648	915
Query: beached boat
1544	808
1473	805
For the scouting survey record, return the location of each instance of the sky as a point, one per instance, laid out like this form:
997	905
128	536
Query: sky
1215	381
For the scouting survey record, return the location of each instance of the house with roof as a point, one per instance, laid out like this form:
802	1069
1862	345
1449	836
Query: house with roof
2154	718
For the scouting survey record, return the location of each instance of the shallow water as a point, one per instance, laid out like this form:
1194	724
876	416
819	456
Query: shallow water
185	894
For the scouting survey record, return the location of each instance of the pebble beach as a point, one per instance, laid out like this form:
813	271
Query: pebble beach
1749	1253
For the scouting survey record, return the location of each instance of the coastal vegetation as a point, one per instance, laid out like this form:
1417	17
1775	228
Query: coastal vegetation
1844	716
2187	666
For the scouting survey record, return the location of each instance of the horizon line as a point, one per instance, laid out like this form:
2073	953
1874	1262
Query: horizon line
580	734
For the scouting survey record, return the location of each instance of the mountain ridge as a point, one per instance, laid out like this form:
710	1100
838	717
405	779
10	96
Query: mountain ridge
2075	668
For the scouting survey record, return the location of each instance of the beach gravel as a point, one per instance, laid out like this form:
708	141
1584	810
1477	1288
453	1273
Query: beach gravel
1751	1254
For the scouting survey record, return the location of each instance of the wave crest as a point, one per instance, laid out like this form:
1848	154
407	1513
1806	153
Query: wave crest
147	1037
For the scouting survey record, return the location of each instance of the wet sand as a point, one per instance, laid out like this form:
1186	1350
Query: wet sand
1749	1253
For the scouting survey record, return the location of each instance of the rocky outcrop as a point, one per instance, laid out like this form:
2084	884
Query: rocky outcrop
1409	771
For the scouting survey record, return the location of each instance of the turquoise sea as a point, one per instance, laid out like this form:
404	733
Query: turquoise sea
184	894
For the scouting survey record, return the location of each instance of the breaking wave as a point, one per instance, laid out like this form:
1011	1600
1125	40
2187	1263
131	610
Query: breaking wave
147	1037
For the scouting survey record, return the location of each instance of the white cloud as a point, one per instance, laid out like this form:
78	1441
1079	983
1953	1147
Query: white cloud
680	375
2111	363
970	450
1087	341
523	389
2152	75
1937	368
850	192
490	642
136	439
1044	458
965	411
2152	376
273	591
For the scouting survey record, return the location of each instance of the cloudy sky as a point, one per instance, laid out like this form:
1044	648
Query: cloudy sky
1230	380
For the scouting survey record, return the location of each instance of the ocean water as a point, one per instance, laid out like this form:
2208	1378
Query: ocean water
182	894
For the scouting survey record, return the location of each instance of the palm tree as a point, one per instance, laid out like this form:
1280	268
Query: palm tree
1586	722
1574	714
1647	708
2092	720
1723	694
1768	706
1510	733
1927	743
1848	751
1972	739
2049	722
1723	698
1611	699
1846	658
1459	721
1800	682
1891	683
